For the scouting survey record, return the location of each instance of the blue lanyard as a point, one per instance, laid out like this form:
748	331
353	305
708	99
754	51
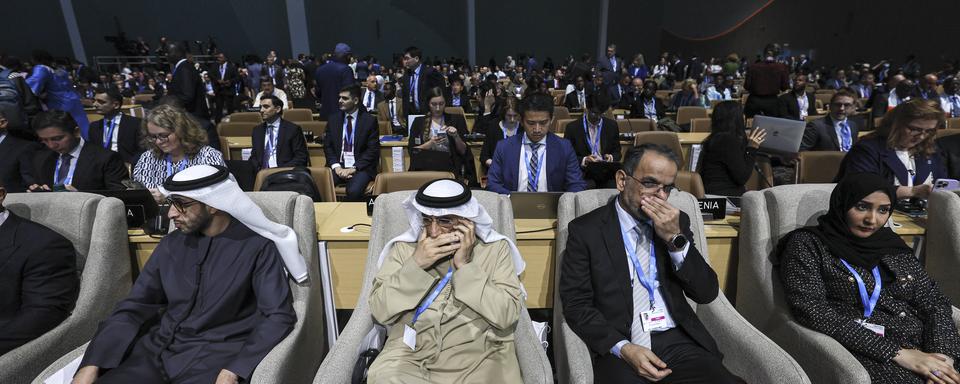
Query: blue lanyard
650	281
182	165
869	302
433	295
68	180
535	173
108	136
595	144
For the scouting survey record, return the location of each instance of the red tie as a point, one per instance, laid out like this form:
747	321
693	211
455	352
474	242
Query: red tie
349	139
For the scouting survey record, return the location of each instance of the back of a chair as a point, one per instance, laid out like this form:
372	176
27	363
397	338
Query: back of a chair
97	228
684	114
384	127
322	178
561	125
953	123
143	98
948	132
297	115
635	125
455	111
700	124
246	117
665	138
943	241
303	349
818	166
690	182
766	217
405	181
236	129
760	179
823	96
560	113
317	127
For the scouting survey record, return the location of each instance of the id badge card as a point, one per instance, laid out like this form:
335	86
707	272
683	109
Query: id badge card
653	319
410	336
348	160
876	328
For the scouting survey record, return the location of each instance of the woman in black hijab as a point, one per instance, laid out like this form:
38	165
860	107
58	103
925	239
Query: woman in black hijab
901	329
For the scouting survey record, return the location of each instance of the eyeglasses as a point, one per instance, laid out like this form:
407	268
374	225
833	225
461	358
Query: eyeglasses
920	131
179	204
159	138
653	186
444	222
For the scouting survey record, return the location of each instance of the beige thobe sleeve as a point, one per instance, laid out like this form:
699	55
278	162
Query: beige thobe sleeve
490	287
399	286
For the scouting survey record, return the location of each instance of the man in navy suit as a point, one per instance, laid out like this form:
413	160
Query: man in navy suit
419	79
116	131
834	132
283	145
352	144
538	160
331	78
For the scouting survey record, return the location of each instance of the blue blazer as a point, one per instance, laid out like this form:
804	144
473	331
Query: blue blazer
563	170
871	155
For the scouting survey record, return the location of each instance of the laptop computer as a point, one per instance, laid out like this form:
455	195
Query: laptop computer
138	203
535	205
783	135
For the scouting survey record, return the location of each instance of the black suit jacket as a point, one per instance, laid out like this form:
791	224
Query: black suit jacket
950	150
97	169
188	88
277	74
366	144
638	108
291	146
16	163
377	98
790	108
595	282
38	281
230	75
429	78
821	136
128	137
609	139
464	102
571	102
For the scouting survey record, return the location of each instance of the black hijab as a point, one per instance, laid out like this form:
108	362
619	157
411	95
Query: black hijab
835	233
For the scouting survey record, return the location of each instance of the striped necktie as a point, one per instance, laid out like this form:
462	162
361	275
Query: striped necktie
641	298
534	176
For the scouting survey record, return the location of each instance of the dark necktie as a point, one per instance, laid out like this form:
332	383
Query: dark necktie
64	172
348	146
534	176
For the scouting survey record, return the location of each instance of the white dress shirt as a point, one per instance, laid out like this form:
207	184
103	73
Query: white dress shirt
804	105
525	160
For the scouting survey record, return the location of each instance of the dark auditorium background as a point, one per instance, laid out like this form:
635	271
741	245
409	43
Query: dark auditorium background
835	31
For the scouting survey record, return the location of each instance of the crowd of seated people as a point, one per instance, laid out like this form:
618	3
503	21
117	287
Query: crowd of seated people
506	116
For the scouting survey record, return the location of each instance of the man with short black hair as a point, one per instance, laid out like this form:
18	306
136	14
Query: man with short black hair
417	81
331	77
268	89
224	76
186	85
116	131
537	160
391	110
641	245
798	103
352	144
950	100
277	142
835	131
594	138
72	164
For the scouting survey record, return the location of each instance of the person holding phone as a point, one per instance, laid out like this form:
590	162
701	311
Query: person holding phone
728	157
71	163
595	138
449	294
436	140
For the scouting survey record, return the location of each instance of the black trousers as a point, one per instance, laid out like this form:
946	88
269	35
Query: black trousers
761	105
220	102
691	363
142	367
356	185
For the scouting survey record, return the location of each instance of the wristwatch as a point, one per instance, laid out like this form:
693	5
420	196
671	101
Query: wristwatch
678	241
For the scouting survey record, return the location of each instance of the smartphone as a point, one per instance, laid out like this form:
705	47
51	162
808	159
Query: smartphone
946	185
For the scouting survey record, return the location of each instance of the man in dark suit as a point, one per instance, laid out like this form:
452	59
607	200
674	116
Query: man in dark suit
273	70
331	77
610	66
417	81
644	103
277	142
881	99
618	94
577	100
224	76
798	103
457	96
16	161
71	163
352	144
116	131
595	139
864	90
391	110
950	150
186	85
38	281
371	95
834	132
626	275
521	163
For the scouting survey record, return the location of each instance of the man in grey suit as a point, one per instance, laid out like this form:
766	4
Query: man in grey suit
834	132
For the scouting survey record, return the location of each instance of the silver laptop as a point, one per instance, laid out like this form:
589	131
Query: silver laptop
783	135
535	205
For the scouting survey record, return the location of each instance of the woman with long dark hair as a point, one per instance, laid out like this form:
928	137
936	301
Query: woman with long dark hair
436	141
727	160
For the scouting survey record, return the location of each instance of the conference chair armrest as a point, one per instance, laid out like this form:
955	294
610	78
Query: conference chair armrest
747	351
338	366
956	317
822	357
60	364
578	357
